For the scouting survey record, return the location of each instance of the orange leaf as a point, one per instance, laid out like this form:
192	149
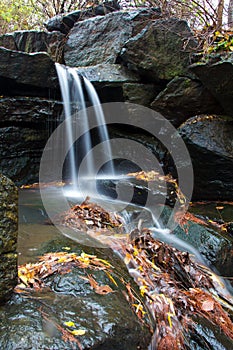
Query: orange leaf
103	290
207	305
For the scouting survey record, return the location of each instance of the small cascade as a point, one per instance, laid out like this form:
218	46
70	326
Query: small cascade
64	79
73	96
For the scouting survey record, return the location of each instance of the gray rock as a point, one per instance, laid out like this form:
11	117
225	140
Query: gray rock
218	79
209	141
161	50
100	39
110	73
31	41
36	69
214	245
25	125
141	94
64	23
184	98
8	237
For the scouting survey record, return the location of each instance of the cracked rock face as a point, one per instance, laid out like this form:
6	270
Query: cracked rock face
209	141
8	237
24	129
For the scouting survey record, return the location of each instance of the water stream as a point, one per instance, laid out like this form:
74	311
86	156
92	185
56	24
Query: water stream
74	90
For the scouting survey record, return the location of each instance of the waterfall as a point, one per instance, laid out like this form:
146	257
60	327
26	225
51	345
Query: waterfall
73	96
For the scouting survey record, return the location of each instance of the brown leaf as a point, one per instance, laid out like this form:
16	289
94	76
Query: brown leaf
207	305
103	290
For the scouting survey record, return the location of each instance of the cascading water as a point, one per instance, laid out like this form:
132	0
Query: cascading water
74	102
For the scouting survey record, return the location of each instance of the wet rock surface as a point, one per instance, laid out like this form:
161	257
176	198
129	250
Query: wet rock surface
183	98
142	94
208	139
161	50
25	124
217	77
107	320
214	245
8	237
23	69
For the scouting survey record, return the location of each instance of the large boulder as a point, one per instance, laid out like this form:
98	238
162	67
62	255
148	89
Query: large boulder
209	141
211	244
26	70
100	39
25	124
69	302
184	98
64	22
31	41
161	50
217	77
8	237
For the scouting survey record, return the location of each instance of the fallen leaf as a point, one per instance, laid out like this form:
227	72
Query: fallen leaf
103	290
207	305
69	324
78	332
127	258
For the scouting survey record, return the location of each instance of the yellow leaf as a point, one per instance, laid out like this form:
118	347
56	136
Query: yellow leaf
24	279
143	290
105	262
78	332
66	248
111	278
127	258
169	319
69	324
231	48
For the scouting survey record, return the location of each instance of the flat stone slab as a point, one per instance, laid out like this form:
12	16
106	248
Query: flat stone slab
36	69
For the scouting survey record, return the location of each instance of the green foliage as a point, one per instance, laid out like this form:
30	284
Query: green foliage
221	42
17	15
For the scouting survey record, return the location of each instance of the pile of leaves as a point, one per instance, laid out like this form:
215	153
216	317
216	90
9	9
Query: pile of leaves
90	216
34	275
175	289
172	287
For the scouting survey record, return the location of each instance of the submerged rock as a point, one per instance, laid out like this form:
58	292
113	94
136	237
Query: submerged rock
208	139
161	50
8	237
